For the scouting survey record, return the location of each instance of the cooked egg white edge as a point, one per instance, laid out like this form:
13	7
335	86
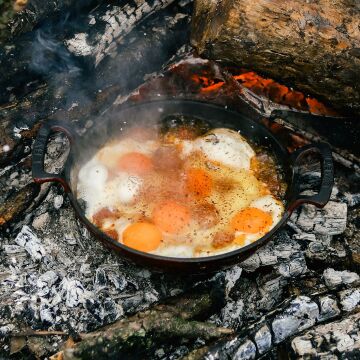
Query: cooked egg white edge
175	251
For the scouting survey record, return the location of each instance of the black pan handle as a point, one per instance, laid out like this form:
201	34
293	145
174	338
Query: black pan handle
327	176
39	149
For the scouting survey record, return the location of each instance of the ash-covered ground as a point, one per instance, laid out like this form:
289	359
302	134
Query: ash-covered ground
56	276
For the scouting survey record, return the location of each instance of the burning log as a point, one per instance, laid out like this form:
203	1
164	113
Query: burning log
313	46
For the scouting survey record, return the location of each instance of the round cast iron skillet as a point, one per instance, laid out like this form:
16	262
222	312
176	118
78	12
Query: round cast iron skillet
111	125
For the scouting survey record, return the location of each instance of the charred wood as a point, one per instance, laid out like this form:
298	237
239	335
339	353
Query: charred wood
159	40
35	12
312	46
108	26
15	205
139	333
67	51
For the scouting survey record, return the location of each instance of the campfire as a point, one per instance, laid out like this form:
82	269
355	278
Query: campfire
81	65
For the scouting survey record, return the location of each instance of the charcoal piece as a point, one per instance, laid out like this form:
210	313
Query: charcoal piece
328	308
330	220
334	279
35	11
145	54
232	275
263	339
231	314
349	299
246	351
301	314
331	339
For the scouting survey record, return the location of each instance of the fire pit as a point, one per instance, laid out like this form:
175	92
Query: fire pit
64	294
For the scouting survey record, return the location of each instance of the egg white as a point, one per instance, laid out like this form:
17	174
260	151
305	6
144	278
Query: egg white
184	251
225	146
109	155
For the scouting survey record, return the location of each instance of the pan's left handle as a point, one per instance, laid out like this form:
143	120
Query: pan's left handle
327	176
39	149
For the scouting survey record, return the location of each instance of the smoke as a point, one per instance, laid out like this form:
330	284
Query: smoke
50	57
51	60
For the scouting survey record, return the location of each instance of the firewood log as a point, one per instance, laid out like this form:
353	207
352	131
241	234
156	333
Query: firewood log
311	45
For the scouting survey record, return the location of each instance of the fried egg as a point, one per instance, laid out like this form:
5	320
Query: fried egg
259	218
179	198
224	146
110	154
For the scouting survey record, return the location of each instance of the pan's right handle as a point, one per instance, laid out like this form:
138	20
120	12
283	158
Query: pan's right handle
39	149
327	176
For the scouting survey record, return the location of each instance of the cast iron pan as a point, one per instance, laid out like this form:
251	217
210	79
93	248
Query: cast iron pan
111	125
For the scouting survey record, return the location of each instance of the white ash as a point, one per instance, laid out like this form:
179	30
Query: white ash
31	243
58	201
74	292
6	329
81	286
41	221
263	339
46	281
350	299
334	279
300	315
232	275
79	45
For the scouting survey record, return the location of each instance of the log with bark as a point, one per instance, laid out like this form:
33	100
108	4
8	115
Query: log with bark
312	45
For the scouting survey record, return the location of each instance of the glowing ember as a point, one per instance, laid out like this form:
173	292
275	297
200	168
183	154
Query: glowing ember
268	88
206	80
281	94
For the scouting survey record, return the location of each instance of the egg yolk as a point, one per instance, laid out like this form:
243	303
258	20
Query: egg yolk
135	163
171	216
142	236
198	182
251	220
240	240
